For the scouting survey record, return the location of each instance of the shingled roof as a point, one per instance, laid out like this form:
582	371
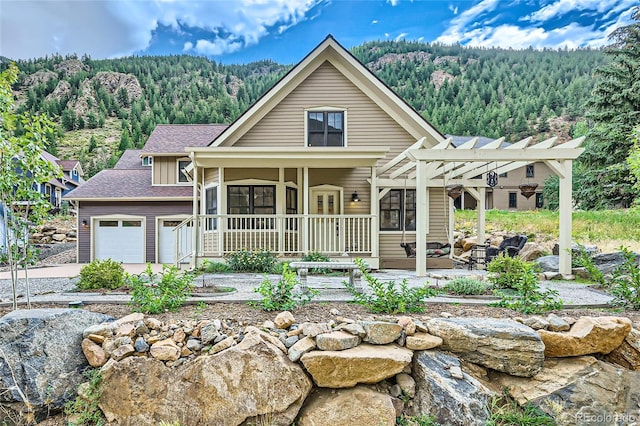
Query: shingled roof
130	160
127	185
173	138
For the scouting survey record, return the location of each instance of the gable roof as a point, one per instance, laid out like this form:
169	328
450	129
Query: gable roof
171	139
332	51
122	184
130	160
67	164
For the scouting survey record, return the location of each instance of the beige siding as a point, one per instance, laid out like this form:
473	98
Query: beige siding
367	124
238	174
511	182
351	180
210	176
165	170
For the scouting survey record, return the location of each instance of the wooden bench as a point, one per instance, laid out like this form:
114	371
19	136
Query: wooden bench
355	276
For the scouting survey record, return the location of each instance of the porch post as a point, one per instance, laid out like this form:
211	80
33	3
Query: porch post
482	217
565	208
305	209
281	200
222	210
194	239
422	215
374	232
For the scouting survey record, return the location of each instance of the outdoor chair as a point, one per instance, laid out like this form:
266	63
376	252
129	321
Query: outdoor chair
510	246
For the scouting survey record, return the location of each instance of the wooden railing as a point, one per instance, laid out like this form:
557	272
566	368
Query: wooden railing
293	235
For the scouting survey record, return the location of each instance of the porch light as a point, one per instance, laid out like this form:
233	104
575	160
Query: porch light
454	191
528	189
355	198
85	224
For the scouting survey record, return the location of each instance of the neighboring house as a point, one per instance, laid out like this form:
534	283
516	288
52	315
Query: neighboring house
506	194
329	160
58	187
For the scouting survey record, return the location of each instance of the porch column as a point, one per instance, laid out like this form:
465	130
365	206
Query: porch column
566	219
281	200
305	209
194	239
222	210
422	215
482	217
374	232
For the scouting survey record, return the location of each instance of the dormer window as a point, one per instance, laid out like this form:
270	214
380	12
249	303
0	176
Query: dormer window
325	128
74	172
147	161
182	175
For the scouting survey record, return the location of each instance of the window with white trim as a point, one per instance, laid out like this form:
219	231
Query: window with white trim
325	128
395	217
147	160
182	176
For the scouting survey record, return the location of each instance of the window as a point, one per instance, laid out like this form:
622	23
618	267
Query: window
182	176
530	171
251	199
513	200
211	206
292	200
147	161
504	175
393	216
74	172
325	128
539	200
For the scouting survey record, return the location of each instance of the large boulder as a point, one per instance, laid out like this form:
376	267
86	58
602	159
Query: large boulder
363	364
531	251
628	353
355	406
588	335
41	359
502	345
549	263
452	401
250	381
578	391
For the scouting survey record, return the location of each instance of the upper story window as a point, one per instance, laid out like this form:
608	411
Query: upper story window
74	172
147	161
325	128
182	176
530	172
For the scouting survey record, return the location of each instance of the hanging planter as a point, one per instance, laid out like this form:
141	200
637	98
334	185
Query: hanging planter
454	191
492	179
528	189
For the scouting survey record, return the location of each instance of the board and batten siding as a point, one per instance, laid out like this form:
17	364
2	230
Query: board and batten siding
367	124
149	209
165	170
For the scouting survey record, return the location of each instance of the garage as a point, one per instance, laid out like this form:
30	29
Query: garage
119	239
166	240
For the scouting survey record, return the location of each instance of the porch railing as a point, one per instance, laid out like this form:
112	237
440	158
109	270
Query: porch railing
293	235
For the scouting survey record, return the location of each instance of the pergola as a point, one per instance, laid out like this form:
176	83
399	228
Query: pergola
422	167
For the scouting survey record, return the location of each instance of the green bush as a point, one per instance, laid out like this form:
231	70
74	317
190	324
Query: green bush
505	271
388	297
583	259
211	267
283	296
315	256
155	293
466	286
101	274
84	410
529	299
252	261
278	267
625	281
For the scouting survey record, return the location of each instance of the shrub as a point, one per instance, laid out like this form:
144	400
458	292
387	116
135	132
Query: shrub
283	296
156	293
530	299
505	271
106	273
388	297
211	267
582	258
506	411
315	256
252	261
466	286
625	281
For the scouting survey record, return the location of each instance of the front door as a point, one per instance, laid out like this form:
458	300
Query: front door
324	226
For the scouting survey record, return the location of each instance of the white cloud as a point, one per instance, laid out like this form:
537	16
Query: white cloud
105	28
560	8
375	21
459	24
453	9
400	36
393	2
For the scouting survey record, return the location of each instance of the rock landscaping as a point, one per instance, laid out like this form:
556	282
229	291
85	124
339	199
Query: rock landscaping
342	371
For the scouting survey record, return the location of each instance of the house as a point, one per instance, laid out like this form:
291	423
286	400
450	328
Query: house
57	187
506	194
329	160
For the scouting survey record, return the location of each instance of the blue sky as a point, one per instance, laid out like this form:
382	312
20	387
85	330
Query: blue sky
285	31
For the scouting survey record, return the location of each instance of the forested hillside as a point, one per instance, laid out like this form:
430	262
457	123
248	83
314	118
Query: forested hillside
106	106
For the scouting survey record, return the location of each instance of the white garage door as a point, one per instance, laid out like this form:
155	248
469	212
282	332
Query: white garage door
166	241
119	239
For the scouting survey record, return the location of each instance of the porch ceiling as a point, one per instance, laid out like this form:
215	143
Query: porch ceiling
322	157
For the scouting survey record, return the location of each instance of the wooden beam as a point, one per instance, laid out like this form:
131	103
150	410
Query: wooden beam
400	157
531	154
